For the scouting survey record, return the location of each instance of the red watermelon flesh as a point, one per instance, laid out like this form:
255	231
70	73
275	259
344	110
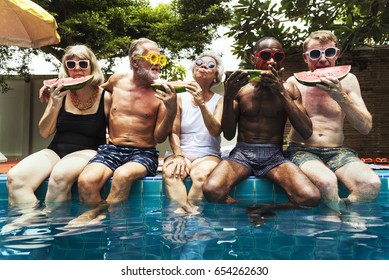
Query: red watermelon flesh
70	83
310	78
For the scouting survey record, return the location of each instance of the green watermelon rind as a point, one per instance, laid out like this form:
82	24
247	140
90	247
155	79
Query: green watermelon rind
254	74
178	88
323	73
70	83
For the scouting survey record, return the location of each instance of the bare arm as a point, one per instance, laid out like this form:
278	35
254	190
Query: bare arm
166	113
212	121
179	162
107	103
291	100
298	117
174	137
48	122
347	94
108	85
230	113
44	94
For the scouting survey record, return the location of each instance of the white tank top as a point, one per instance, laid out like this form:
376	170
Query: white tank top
196	141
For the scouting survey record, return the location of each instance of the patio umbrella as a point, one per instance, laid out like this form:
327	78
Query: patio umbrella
26	24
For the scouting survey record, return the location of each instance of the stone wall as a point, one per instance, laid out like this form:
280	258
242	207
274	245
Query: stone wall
371	66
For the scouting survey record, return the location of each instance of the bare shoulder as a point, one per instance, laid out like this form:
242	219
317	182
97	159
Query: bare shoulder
350	78
117	77
291	87
350	83
113	80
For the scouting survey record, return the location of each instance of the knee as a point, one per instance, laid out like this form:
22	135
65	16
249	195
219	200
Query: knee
376	187
14	181
122	175
198	179
327	184
212	192
167	175
86	185
369	189
310	198
60	183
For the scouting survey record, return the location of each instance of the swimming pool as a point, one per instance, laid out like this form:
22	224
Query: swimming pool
144	228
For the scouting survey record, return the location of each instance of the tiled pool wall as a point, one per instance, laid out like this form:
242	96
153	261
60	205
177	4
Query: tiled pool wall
153	187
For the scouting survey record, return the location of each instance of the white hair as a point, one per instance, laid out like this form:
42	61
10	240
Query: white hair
219	64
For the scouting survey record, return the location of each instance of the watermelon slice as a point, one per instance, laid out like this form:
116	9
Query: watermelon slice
179	86
70	83
310	78
254	75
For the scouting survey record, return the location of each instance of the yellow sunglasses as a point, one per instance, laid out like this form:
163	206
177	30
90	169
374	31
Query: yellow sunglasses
155	58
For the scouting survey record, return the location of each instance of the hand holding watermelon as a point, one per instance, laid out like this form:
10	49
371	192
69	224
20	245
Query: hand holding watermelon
234	82
333	86
168	96
272	79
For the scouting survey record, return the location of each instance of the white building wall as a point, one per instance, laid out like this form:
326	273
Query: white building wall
20	112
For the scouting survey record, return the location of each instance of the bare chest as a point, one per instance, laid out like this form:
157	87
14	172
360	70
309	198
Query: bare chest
318	102
261	104
132	102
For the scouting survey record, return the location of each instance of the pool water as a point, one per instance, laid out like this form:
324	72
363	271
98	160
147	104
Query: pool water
149	230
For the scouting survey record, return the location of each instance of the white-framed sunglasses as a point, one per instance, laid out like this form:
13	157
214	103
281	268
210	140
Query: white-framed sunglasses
71	64
315	54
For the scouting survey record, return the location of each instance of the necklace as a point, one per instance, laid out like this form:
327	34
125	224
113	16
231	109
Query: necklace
83	105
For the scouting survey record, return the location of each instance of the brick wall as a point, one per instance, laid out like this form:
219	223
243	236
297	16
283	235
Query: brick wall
371	66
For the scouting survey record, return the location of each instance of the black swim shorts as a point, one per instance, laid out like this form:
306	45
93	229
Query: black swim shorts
259	158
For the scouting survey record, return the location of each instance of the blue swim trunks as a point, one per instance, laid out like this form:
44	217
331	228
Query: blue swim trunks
259	158
334	158
114	156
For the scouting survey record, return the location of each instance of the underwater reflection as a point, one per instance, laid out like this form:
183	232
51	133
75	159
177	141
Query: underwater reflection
148	229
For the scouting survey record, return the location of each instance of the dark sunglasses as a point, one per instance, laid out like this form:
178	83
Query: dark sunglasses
71	64
267	55
210	64
315	54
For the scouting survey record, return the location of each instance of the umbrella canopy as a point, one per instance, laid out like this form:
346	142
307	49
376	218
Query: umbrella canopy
26	24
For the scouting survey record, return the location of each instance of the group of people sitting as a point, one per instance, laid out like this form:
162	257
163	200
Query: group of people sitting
138	118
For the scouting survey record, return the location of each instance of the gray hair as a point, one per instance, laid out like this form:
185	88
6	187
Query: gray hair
82	52
219	64
137	47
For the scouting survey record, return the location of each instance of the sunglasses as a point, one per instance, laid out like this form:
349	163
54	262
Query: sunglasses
154	58
315	54
210	64
267	55
71	64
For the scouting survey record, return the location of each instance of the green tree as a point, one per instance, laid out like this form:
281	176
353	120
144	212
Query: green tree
182	29
355	22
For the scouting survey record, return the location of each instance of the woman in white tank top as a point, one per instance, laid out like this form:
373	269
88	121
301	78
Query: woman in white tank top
195	139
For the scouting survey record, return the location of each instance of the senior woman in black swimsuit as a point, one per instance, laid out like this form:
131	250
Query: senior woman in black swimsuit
78	120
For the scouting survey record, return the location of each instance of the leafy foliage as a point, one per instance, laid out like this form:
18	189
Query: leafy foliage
355	22
182	29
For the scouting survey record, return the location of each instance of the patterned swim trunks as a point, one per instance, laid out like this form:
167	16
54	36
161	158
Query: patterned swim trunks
334	158
114	156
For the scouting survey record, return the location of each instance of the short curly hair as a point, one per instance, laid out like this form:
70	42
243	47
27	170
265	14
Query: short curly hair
219	64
